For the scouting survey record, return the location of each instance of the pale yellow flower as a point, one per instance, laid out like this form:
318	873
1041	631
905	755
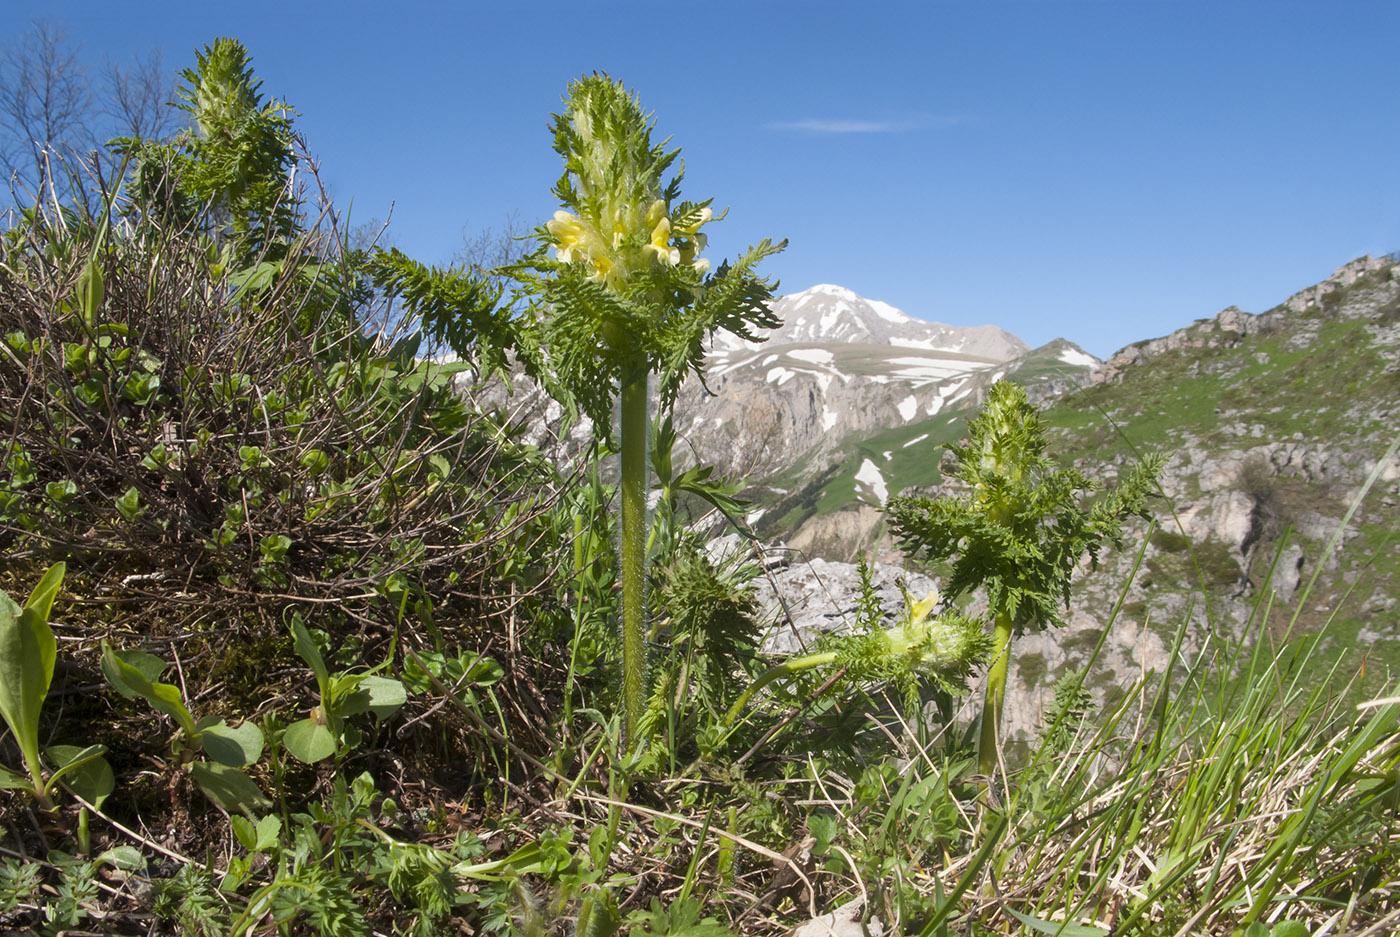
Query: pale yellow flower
660	245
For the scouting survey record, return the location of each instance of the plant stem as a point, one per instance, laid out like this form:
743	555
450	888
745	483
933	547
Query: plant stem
790	666
990	742
632	404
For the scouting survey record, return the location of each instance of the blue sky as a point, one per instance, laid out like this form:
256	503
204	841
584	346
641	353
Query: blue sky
1102	170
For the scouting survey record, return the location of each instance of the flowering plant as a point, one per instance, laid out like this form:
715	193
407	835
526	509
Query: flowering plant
626	295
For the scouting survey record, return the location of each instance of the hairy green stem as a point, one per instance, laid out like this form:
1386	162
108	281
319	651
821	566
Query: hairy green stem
989	744
632	405
790	666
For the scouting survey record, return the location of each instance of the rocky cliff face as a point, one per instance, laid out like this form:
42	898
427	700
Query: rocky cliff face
1275	424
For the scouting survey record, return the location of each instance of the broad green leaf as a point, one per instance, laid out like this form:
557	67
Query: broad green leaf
1289	929
126	672
269	827
229	788
1058	928
309	741
386	695
244	832
27	654
150	666
84	770
229	746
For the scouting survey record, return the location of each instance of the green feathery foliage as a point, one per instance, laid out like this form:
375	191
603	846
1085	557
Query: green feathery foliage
942	649
1018	529
241	153
453	307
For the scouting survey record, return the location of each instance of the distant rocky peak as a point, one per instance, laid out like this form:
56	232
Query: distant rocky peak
1344	276
830	314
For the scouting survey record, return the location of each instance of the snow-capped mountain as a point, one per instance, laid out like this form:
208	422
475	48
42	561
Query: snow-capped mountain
827	313
842	368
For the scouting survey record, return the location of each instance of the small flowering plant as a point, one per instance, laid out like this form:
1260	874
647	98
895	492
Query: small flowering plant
627	295
1018	527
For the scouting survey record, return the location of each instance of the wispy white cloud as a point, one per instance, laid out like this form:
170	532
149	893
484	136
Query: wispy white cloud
815	125
837	126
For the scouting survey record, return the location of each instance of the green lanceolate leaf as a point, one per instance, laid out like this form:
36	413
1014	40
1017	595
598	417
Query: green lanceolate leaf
306	647
84	770
132	673
92	290
1058	928
27	655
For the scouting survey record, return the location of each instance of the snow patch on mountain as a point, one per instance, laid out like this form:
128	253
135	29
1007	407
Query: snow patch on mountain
887	312
1078	358
812	355
871	476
